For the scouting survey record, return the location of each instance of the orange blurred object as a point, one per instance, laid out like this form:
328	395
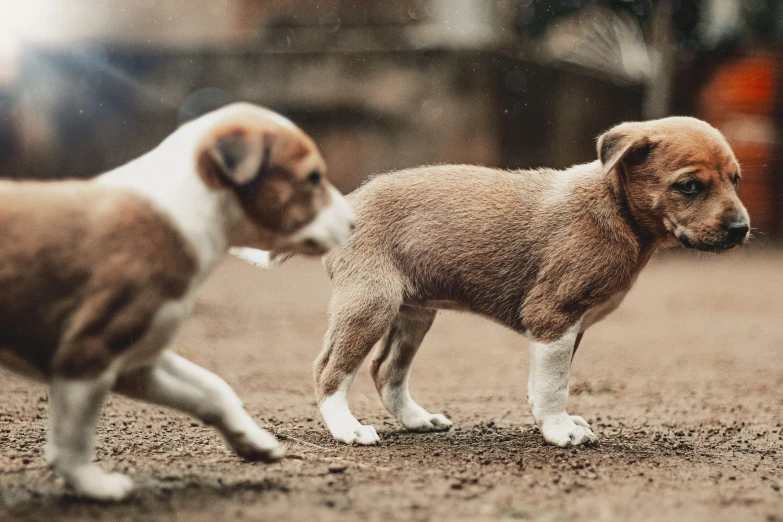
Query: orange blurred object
740	100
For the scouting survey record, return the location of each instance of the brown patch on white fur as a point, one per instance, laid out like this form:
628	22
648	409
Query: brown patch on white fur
271	166
534	250
83	271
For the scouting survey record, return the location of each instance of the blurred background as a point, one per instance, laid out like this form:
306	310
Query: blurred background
86	85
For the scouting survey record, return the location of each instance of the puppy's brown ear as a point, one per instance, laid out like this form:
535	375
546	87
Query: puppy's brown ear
623	144
240	158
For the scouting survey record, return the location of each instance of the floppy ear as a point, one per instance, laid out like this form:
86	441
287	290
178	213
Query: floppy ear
241	158
622	144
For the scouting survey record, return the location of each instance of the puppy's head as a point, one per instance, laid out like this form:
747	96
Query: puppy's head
279	179
679	178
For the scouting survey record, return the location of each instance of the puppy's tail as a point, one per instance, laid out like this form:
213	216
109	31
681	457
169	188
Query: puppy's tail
260	258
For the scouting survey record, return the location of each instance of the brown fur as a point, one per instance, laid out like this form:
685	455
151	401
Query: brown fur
83	270
399	345
533	250
279	198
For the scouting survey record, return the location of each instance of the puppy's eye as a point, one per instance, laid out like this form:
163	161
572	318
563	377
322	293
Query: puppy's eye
314	178
689	188
735	181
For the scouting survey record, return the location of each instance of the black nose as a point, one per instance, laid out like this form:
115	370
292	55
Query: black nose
737	231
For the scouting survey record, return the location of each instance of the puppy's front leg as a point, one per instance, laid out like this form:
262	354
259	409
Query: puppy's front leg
178	383
73	414
550	364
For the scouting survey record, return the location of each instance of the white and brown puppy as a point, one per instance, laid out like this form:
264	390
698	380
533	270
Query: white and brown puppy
547	253
96	276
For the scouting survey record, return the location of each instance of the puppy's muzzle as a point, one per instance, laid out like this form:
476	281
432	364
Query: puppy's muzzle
331	228
737	231
731	233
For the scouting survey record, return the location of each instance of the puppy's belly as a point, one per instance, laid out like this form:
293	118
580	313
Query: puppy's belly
591	317
439	304
446	304
161	332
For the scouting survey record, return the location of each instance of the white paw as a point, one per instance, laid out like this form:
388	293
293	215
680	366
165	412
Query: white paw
567	430
50	454
259	258
256	444
427	422
91	481
579	421
361	434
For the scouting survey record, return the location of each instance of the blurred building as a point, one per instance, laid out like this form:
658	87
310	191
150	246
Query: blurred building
387	84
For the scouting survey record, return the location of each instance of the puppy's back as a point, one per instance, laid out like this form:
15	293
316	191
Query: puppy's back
450	196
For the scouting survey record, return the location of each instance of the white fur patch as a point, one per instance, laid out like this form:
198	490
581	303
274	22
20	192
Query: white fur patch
254	256
161	331
167	176
567	430
341	423
415	418
550	364
91	481
74	409
180	384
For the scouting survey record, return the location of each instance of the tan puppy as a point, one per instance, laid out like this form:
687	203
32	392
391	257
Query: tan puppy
546	253
96	276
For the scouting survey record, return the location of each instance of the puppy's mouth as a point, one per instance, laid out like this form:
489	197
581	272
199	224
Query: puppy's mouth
317	245
321	236
704	246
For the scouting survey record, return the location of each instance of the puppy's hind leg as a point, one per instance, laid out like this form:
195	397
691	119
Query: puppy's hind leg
178	383
73	413
358	319
391	368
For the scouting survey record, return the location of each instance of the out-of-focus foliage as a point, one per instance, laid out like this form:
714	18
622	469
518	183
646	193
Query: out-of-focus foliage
699	26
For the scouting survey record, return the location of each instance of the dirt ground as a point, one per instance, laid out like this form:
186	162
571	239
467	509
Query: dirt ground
683	385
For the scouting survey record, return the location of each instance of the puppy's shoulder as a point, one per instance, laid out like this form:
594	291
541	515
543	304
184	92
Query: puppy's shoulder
144	241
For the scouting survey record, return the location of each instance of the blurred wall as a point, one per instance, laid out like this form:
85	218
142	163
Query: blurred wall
86	111
380	84
743	98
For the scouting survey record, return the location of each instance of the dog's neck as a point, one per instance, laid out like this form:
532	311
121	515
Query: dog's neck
616	217
167	175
